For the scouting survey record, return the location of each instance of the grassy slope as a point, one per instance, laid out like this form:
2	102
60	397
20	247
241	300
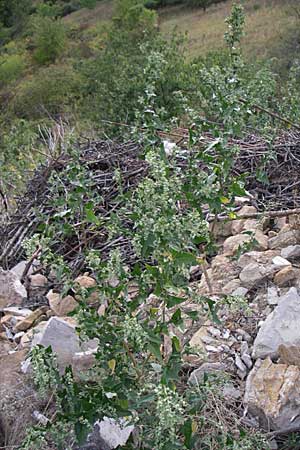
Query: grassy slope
267	24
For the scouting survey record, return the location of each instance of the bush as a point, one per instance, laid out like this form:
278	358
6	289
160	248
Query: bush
11	68
49	39
50	90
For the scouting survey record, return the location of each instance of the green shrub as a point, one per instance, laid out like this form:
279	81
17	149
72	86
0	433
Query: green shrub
50	90
11	68
88	3
49	39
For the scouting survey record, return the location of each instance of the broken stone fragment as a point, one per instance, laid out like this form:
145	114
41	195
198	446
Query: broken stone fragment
272	295
19	268
209	368
87	282
61	306
280	262
291	253
12	291
280	327
273	394
286	276
253	274
233	243
31	319
60	334
38	281
264	258
17	311
286	236
108	434
289	355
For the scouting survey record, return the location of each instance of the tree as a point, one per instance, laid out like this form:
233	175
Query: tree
49	39
12	15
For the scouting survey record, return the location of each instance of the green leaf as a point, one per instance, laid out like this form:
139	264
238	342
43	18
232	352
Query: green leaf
184	258
90	216
176	343
176	319
237	189
173	300
155	350
81	431
212	307
187	432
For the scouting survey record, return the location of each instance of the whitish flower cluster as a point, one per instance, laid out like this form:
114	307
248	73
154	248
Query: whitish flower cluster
170	408
134	332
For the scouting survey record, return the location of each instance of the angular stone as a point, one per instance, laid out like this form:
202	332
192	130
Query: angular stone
197	376
233	243
30	320
221	229
286	276
232	286
240	292
231	393
38	280
12	291
294	220
61	306
27	338
82	362
273	394
197	341
254	274
85	281
280	262
222	271
61	337
289	355
17	311
108	434
287	236
60	334
263	258
272	296
291	253
244	224
19	268
280	327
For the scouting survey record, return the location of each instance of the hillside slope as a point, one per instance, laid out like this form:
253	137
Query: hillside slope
271	26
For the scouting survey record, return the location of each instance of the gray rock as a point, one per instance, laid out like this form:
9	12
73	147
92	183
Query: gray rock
284	238
244	348
239	364
254	274
19	268
197	376
240	292
272	296
17	311
291	252
231	393
280	262
61	336
247	360
107	434
280	327
12	292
